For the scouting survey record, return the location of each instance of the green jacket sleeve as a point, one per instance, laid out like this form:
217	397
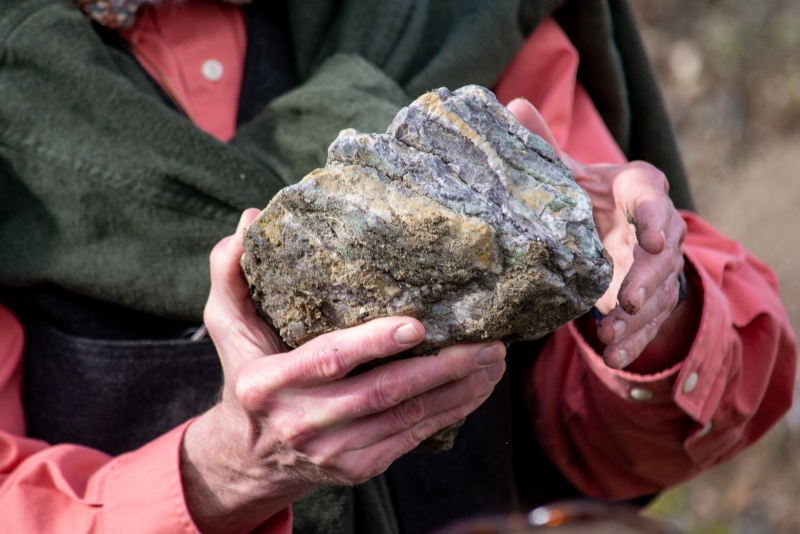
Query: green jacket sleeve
107	192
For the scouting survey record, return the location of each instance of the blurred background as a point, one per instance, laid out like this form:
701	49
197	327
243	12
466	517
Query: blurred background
730	73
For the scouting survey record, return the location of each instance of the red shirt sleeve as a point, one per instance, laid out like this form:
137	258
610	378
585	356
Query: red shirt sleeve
70	488
616	435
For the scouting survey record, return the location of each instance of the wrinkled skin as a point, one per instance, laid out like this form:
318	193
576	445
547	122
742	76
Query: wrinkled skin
289	420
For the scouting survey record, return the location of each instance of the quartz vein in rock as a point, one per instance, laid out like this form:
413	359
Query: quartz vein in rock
457	216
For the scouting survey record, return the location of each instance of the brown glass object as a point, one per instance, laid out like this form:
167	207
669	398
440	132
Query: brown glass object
568	517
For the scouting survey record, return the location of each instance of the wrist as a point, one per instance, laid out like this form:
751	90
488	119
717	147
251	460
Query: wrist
227	486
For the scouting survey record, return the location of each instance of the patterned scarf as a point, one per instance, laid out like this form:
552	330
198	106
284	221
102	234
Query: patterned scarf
116	14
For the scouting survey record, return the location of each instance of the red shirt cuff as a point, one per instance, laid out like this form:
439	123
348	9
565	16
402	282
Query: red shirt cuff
144	493
143	490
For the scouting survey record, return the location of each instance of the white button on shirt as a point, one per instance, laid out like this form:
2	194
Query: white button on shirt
212	70
641	394
705	430
690	383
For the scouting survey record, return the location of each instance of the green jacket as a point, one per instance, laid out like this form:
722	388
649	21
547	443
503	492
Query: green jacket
107	192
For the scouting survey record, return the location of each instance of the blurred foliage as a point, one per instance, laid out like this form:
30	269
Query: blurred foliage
755	493
729	64
730	73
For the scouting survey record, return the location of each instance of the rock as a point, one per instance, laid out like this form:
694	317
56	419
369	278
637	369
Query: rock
457	216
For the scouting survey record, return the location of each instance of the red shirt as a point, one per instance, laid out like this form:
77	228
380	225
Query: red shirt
736	381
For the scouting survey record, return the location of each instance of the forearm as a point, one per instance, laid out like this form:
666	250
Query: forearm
617	434
227	492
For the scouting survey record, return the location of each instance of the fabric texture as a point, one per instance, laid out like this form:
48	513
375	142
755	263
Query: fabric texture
132	223
116	14
70	488
195	51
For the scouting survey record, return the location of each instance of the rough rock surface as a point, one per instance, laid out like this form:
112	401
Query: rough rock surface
457	216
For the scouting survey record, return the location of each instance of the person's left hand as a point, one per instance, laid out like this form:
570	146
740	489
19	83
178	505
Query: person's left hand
641	230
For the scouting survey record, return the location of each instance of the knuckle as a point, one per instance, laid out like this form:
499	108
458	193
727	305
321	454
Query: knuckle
291	431
327	361
682	229
251	394
360	476
390	389
661	179
422	430
667	294
325	460
366	470
479	384
457	361
673	294
650	330
651	173
411	411
637	342
211	318
465	409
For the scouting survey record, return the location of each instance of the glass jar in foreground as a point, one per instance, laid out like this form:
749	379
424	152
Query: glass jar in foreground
567	517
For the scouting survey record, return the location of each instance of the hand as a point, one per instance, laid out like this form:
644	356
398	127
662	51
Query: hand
290	420
641	230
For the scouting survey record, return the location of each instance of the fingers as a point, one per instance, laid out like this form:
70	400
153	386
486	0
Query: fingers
390	385
529	117
628	335
371	429
228	286
332	356
325	359
649	271
364	409
647	205
361	465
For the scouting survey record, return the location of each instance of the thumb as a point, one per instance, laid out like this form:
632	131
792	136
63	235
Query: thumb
529	117
230	315
228	286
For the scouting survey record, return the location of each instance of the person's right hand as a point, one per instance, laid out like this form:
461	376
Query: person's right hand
290	420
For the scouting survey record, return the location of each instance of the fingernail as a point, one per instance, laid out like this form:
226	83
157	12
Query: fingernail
663	236
641	298
488	355
494	372
622	354
619	328
407	334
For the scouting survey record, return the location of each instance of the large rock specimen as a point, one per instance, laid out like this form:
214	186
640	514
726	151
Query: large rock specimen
457	216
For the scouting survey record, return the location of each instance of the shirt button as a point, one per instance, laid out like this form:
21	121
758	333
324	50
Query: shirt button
212	70
691	382
705	430
641	394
